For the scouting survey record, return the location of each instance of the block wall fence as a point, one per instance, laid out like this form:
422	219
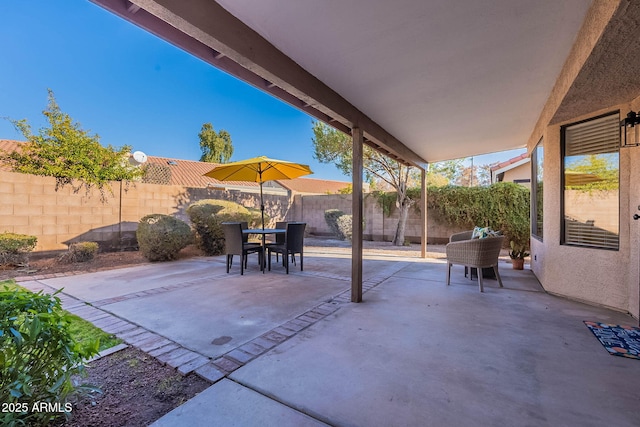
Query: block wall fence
30	204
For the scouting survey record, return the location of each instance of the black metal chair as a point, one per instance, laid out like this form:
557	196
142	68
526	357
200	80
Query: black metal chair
245	236
245	226
280	237
294	244
234	245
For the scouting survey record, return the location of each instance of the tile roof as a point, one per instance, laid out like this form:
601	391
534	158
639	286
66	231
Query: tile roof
7	145
189	173
509	162
313	186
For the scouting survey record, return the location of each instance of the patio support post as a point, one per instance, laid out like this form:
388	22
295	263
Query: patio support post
356	212
423	212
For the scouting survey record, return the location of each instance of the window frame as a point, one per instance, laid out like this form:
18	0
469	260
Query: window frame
535	190
563	128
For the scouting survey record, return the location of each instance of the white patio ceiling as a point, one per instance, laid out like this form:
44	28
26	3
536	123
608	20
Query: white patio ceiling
445	78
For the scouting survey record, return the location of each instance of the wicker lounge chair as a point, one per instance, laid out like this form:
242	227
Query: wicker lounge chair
474	253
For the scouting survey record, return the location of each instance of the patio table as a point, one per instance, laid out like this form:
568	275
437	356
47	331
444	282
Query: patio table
264	232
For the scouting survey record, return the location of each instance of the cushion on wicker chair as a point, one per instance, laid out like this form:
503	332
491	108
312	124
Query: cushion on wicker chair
483	232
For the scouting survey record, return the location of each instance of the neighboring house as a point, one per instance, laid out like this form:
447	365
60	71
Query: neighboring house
7	145
517	169
190	173
318	186
187	173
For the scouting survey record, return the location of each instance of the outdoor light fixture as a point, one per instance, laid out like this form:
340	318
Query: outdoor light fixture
630	131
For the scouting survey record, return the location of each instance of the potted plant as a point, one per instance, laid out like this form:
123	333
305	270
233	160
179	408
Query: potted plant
517	254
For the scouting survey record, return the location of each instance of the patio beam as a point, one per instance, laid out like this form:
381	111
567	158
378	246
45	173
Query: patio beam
356	215
423	213
200	26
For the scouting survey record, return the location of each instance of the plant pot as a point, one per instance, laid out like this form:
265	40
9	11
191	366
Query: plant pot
517	263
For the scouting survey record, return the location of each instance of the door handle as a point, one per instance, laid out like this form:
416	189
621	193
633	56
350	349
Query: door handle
636	217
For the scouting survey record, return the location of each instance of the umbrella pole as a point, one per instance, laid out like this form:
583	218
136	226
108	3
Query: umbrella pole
264	246
261	207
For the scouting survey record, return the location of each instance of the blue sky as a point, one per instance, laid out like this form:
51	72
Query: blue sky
132	88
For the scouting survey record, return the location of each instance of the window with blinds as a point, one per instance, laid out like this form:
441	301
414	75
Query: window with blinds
590	201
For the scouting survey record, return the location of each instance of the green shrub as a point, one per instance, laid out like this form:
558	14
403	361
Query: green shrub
207	215
387	199
344	223
80	252
162	237
256	218
15	248
38	355
331	216
503	206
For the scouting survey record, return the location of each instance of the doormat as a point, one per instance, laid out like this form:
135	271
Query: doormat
618	340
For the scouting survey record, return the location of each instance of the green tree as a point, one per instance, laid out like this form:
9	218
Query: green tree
454	172
346	190
448	169
216	146
592	172
333	146
474	176
483	173
68	153
436	180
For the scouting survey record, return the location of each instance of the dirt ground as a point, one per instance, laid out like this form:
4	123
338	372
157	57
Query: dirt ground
50	264
136	390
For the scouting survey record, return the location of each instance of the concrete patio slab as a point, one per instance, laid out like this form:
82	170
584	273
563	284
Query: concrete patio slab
215	317
415	352
124	281
418	352
196	304
229	404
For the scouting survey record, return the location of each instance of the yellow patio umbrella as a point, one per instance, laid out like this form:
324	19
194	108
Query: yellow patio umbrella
258	169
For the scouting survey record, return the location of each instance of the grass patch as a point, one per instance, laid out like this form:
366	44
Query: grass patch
84	331
81	330
9	284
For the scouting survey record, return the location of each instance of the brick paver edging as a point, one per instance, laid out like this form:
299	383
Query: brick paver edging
156	291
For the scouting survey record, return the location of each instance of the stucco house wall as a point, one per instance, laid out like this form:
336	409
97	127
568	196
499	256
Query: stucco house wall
597	276
517	169
592	82
520	174
633	265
